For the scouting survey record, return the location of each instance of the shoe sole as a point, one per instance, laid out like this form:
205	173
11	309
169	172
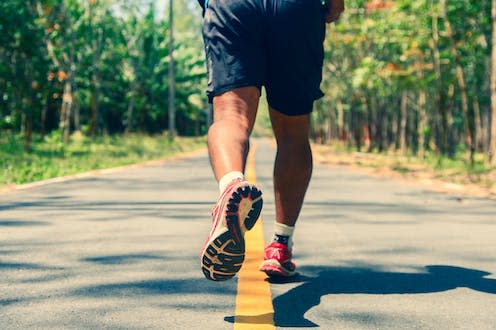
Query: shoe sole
223	255
273	268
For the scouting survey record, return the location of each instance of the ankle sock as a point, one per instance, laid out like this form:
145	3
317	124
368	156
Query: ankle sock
226	179
283	234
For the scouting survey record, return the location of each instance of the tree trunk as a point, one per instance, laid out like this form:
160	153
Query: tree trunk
403	121
478	139
397	129
460	76
422	120
393	126
67	124
357	130
332	127
97	44
44	111
442	110
411	137
77	115
492	148
95	115
351	126
341	121
172	86
383	127
65	111
27	126
486	128
130	110
371	110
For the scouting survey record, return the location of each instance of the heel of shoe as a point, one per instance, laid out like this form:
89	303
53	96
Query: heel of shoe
256	208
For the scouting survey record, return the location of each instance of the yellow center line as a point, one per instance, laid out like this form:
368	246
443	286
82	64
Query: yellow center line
254	308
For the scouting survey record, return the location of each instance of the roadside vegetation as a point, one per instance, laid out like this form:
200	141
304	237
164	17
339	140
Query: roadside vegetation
49	157
441	172
413	76
409	85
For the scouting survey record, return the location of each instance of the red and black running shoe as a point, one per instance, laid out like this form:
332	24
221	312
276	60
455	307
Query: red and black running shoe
236	211
277	261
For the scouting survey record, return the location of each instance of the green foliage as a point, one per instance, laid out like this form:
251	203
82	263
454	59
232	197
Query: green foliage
50	157
383	50
100	65
391	75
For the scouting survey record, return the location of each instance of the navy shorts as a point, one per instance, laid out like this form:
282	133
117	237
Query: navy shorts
273	43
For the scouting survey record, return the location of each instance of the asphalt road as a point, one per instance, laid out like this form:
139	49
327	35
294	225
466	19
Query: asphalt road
120	251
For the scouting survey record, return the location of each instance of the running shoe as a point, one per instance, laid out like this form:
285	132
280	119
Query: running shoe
236	211
277	261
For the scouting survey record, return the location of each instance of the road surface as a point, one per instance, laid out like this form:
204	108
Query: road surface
120	251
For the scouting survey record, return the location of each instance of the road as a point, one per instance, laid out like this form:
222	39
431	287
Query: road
120	251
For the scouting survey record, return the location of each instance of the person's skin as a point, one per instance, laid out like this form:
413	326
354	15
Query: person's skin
228	145
335	8
228	137
293	164
228	141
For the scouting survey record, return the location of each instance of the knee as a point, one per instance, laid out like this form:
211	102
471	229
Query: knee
293	141
237	108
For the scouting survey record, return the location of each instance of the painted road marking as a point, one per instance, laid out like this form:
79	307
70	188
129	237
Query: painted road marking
254	308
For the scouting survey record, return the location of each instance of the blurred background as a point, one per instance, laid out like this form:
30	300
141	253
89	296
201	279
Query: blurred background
92	80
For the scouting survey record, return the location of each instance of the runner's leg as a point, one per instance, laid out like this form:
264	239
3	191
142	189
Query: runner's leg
293	165
292	172
228	137
240	202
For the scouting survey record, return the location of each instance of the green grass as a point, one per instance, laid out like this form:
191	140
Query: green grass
49	157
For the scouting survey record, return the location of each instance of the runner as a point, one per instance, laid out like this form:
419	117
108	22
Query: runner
277	44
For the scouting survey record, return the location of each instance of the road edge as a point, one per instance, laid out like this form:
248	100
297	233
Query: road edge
103	171
435	185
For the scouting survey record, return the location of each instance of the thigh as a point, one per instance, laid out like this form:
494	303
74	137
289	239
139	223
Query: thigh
234	45
295	54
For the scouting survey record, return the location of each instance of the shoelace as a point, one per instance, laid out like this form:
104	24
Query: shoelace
276	253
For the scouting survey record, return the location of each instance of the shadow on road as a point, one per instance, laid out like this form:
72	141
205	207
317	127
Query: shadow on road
290	307
25	266
122	259
22	223
153	287
99	205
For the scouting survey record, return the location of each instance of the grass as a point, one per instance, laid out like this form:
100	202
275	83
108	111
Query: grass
455	170
49	157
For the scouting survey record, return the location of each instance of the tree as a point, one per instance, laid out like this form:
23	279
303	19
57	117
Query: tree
492	149
23	66
409	74
172	80
99	66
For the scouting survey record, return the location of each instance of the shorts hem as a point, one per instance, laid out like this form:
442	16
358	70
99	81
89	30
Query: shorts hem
296	108
290	113
230	87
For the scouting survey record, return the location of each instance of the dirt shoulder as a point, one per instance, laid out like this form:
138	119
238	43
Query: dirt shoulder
410	170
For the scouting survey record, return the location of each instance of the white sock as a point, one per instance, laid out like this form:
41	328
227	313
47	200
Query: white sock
284	230
228	178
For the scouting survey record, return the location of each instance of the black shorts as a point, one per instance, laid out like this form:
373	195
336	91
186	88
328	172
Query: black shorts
273	43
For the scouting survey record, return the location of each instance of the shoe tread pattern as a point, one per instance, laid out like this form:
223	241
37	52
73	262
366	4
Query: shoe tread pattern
224	256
